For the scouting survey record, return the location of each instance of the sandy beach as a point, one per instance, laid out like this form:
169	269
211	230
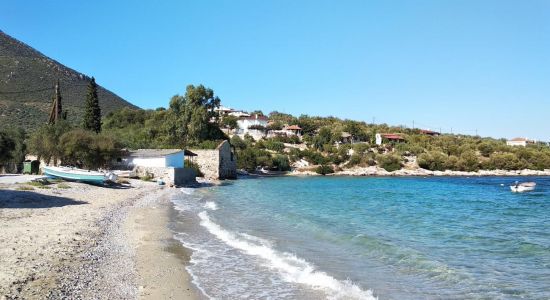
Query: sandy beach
81	241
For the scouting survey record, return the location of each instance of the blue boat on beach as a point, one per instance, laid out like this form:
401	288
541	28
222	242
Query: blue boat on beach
74	174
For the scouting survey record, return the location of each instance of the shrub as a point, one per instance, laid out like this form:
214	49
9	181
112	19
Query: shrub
237	142
85	148
147	177
324	170
389	162
194	166
281	163
25	188
354	160
433	160
63	186
503	161
274	145
468	161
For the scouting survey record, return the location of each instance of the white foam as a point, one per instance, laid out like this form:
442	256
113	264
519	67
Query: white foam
211	205
187	191
290	267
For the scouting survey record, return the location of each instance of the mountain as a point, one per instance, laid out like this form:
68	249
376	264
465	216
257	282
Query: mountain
27	79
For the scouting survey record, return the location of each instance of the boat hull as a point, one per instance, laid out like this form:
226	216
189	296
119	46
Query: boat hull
70	175
521	189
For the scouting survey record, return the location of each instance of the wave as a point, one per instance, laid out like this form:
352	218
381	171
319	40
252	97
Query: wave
187	191
211	205
290	267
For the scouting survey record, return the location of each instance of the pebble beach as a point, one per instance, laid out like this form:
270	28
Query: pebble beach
73	240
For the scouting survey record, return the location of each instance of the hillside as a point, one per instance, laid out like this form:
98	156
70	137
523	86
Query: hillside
27	78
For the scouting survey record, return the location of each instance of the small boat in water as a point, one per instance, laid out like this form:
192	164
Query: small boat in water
74	174
523	187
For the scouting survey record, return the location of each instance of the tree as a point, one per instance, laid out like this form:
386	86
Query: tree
7	145
92	113
83	148
190	116
229	122
44	142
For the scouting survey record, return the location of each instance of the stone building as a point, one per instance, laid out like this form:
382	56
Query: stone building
219	163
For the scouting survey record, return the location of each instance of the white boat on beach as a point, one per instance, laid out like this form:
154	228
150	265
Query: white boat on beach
74	174
523	187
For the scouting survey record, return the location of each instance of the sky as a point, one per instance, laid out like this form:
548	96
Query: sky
456	66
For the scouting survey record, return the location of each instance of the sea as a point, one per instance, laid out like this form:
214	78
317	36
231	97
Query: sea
367	238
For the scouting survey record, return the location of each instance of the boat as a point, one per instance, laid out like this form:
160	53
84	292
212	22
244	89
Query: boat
75	174
523	187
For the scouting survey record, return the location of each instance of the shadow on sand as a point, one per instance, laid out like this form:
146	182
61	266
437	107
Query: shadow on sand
27	199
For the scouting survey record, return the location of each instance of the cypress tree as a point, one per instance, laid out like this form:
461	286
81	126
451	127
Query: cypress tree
92	113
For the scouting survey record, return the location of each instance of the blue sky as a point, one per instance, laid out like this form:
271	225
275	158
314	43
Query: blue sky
461	64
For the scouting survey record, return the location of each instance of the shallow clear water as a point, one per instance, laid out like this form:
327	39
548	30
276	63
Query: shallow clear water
348	237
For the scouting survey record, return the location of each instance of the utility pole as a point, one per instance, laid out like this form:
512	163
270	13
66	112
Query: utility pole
413	124
373	119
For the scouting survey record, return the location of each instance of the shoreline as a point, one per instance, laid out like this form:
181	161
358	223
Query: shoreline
160	259
379	172
74	240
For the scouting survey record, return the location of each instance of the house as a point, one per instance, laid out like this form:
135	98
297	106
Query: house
254	125
519	141
293	130
223	111
254	122
429	132
239	114
165	164
388	137
158	158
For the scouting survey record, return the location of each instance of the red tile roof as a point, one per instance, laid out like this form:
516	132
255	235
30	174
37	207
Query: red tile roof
392	136
430	132
292	127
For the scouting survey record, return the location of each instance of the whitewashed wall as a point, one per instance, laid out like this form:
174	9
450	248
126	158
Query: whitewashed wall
158	162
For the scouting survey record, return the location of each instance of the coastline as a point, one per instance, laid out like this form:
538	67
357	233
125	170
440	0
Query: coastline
160	259
82	241
380	172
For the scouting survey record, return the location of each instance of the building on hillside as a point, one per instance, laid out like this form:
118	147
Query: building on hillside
219	163
239	114
293	130
223	111
519	141
388	138
254	126
429	132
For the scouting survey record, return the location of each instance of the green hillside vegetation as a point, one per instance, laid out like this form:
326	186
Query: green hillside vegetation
444	152
27	79
156	128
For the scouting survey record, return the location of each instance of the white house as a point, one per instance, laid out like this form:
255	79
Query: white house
239	114
522	142
247	124
163	158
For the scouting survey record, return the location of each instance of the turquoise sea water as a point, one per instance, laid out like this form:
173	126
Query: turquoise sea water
355	238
